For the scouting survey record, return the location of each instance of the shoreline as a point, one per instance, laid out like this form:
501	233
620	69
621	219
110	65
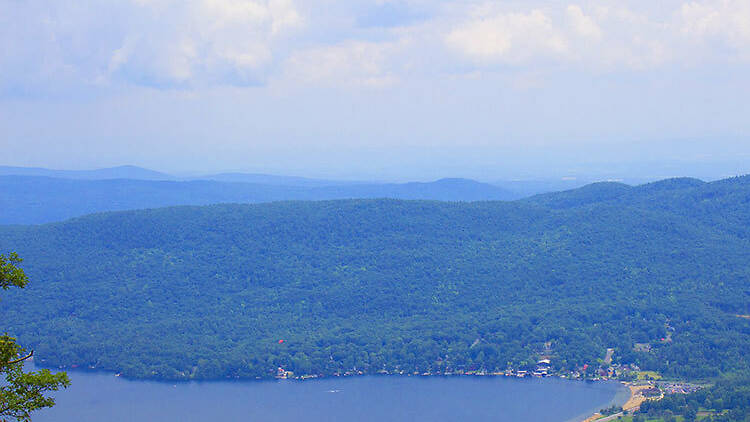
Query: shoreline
36	366
618	396
82	369
633	403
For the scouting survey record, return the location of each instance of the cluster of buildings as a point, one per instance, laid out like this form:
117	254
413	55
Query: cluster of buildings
283	374
542	368
678	388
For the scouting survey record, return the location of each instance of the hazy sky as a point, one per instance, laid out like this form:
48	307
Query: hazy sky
411	89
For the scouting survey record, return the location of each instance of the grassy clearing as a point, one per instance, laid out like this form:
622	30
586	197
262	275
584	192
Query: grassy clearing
648	375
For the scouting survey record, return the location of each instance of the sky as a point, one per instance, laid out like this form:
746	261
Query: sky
379	89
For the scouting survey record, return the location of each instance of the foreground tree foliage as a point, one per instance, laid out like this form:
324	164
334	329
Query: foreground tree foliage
21	392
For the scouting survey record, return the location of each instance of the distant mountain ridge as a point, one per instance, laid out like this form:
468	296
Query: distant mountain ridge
38	199
120	172
39	196
270	179
140	173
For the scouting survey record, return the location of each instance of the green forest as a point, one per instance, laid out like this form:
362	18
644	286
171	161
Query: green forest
328	287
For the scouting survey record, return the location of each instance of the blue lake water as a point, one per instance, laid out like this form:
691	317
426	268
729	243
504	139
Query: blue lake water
104	397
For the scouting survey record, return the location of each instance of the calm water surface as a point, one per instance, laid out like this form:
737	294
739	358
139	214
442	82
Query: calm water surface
104	397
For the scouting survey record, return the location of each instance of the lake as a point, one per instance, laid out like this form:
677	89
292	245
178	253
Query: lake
100	396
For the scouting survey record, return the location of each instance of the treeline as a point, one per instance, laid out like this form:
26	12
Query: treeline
415	286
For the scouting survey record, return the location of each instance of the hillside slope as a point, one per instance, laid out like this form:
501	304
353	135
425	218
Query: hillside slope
208	292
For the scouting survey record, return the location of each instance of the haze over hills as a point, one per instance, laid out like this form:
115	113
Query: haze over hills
35	200
370	285
140	173
521	187
121	172
274	180
41	199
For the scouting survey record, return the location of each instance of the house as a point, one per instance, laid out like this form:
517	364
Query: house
642	347
542	367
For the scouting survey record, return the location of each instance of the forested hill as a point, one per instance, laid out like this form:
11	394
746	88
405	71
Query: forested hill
611	192
35	200
209	292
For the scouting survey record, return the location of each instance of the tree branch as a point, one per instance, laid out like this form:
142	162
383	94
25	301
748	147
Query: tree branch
20	359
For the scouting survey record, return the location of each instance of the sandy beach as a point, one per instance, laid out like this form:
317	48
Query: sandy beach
636	398
634	401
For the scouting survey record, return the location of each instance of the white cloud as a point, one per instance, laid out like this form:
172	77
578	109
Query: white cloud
204	43
352	63
207	41
598	36
150	42
284	16
630	39
721	21
508	37
582	24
